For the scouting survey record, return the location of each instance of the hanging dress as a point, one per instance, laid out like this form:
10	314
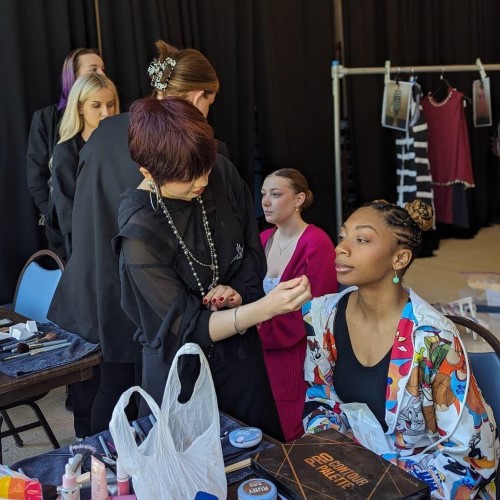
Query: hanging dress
414	174
449	157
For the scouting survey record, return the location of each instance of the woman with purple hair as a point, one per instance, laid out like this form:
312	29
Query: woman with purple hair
44	134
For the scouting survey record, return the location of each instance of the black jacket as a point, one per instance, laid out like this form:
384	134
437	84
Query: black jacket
64	167
87	299
41	142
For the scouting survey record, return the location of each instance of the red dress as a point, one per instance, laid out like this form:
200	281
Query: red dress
449	153
284	337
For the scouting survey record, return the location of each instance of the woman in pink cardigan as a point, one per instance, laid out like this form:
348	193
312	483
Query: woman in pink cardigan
293	248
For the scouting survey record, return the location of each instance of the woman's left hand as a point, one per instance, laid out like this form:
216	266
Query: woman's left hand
222	296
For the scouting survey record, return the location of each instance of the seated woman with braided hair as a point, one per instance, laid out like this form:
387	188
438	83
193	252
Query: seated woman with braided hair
380	344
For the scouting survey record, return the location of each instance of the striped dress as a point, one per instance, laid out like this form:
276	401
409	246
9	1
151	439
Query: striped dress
414	174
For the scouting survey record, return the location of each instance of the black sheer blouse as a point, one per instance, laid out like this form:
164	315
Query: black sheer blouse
159	292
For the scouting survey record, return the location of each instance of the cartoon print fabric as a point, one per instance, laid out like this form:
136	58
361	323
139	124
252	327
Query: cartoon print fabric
439	427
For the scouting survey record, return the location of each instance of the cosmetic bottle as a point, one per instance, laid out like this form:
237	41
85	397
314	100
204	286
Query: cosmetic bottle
122	479
70	489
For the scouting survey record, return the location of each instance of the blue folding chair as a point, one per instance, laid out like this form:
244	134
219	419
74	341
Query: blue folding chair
35	288
36	285
486	369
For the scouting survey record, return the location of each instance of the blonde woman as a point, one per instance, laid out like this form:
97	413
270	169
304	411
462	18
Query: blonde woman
92	98
44	134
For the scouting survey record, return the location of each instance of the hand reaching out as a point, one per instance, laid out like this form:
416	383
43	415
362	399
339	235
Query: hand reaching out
289	296
286	297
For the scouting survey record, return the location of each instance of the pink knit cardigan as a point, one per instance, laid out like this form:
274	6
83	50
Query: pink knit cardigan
284	337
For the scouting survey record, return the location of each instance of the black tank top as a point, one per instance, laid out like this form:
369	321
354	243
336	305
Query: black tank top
353	382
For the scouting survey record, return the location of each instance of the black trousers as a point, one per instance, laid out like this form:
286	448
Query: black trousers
239	375
94	400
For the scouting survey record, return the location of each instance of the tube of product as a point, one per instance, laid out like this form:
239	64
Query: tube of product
122	479
98	484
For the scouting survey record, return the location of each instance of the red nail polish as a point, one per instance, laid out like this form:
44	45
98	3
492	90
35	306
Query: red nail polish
214	301
221	299
231	300
205	301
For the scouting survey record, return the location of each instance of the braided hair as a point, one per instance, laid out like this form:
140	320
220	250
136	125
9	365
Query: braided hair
406	223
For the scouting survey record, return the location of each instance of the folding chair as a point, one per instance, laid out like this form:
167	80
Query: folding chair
35	288
36	285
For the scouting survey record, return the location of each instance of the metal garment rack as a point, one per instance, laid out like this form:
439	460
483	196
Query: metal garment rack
339	71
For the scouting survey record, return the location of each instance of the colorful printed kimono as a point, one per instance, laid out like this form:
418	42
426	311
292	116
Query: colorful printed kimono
439	427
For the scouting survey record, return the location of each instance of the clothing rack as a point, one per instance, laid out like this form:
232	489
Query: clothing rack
339	71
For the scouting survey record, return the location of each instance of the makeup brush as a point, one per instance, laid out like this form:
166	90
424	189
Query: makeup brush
45	338
13	342
35	339
37	351
25	347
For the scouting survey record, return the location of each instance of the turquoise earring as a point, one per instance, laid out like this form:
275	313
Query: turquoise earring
395	279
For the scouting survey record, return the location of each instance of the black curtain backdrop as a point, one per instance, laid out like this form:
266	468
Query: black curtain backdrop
272	58
295	47
35	37
413	33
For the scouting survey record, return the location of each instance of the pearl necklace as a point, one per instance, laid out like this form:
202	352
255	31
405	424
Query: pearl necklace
214	266
438	104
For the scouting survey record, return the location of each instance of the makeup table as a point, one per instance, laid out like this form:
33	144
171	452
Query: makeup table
49	467
15	389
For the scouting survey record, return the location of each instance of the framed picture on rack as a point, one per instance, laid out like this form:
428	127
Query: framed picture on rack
396	105
481	103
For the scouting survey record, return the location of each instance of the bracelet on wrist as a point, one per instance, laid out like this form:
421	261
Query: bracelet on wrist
241	332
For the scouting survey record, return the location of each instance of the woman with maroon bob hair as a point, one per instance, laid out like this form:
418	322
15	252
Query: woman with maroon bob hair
191	263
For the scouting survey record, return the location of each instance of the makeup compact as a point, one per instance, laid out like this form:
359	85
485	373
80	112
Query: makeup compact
245	437
260	489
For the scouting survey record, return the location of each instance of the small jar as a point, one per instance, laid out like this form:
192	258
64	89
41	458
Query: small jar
245	437
257	489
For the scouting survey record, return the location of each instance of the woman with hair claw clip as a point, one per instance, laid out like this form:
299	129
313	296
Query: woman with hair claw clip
380	344
87	299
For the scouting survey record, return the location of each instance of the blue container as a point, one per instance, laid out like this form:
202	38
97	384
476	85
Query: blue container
245	437
203	495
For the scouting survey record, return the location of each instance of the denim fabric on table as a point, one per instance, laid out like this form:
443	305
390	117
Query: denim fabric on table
26	365
49	468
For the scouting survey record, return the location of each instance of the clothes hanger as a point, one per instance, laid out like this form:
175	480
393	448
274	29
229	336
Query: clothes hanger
444	90
443	87
413	77
398	74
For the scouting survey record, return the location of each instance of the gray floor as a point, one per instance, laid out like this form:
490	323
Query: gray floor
437	279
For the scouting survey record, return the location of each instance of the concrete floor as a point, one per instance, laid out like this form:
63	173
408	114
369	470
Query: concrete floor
437	279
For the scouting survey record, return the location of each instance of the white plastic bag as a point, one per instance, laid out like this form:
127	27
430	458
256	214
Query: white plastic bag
182	453
366	428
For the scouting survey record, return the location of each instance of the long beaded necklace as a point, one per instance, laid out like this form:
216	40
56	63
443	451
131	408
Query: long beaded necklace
214	266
